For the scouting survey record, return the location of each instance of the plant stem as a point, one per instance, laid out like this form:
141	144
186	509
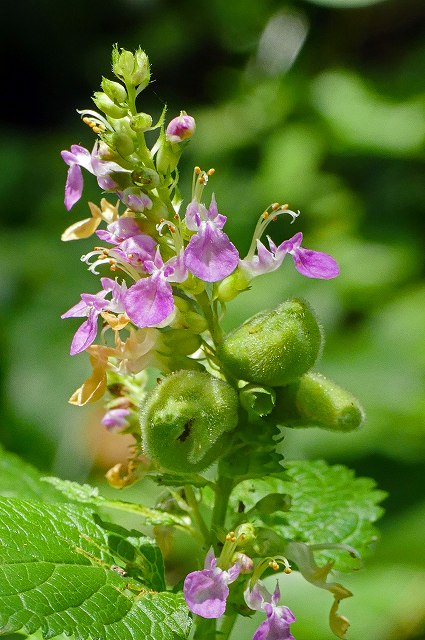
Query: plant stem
195	513
227	626
223	489
204	628
214	329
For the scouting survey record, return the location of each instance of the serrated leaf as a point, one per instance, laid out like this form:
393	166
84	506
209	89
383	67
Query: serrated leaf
329	505
58	573
21	480
87	494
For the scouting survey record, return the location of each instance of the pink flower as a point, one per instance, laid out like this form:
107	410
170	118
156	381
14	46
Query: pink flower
313	264
209	255
150	300
276	626
180	128
80	157
91	306
206	591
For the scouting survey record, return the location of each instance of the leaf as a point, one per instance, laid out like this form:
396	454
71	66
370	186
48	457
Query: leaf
87	494
58	573
328	505
21	480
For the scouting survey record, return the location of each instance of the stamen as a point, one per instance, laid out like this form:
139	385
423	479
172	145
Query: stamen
211	172
275	206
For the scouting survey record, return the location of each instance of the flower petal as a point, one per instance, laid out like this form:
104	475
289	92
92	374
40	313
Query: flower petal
85	334
73	186
315	264
206	593
149	301
210	255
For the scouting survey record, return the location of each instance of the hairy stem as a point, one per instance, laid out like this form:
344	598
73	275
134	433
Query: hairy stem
195	513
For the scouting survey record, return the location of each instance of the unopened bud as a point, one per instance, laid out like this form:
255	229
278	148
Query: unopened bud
132	68
180	128
185	421
274	347
122	143
232	286
141	122
105	104
315	401
114	90
145	178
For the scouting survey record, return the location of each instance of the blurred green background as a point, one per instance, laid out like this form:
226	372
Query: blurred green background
318	103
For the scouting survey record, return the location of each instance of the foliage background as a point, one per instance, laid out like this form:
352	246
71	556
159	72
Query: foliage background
317	103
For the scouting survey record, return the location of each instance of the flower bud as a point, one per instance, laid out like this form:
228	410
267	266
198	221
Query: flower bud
232	286
132	68
185	421
105	104
168	157
114	90
274	347
315	401
122	143
180	128
145	178
141	122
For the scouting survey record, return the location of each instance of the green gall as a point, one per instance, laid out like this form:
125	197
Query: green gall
109	107
315	401
114	90
275	347
186	419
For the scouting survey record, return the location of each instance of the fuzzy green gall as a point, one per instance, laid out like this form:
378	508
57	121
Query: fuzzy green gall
274	347
186	419
315	401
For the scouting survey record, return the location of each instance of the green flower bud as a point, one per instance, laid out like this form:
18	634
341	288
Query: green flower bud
274	347
180	342
105	104
232	286
114	90
186	419
315	401
132	68
140	123
122	143
145	178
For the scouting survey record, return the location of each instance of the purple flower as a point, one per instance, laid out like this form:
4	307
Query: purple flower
180	128
206	591
80	157
135	199
209	255
150	301
115	419
276	626
132	246
91	306
313	264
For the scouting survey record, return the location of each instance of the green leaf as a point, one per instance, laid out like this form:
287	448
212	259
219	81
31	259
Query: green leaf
328	505
87	494
21	480
60	573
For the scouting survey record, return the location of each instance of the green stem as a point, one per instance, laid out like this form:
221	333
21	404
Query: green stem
214	329
195	513
205	628
223	489
227	626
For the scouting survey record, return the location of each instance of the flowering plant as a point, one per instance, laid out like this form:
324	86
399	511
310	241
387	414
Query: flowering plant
206	410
